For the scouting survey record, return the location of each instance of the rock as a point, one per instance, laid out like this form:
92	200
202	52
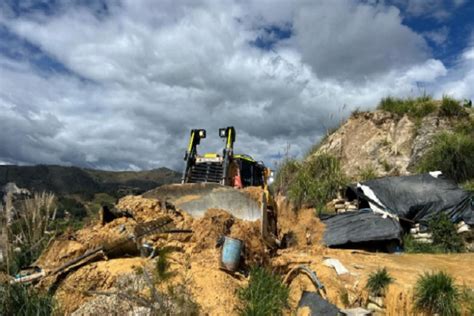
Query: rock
374	307
378	300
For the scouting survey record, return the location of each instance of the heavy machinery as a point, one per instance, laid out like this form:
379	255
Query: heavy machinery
235	183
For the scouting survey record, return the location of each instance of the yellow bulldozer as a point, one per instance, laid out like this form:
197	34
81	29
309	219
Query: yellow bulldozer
232	182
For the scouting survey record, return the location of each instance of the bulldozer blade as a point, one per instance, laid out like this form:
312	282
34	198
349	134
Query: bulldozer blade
197	198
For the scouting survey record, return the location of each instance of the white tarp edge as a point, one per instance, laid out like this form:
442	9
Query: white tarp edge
375	208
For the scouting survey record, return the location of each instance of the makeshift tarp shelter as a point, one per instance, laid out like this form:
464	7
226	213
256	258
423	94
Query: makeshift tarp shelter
391	200
416	198
361	226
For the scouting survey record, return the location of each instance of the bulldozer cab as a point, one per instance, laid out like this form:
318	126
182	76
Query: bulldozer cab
227	169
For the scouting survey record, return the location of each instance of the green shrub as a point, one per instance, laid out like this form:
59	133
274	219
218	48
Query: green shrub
465	127
378	282
451	107
411	245
317	181
436	293
395	105
286	173
453	154
18	299
444	234
414	107
422	109
264	295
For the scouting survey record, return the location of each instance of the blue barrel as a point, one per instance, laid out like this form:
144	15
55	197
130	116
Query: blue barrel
231	251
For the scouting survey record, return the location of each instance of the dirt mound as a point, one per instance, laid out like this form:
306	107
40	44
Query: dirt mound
303	230
79	287
194	259
217	223
207	230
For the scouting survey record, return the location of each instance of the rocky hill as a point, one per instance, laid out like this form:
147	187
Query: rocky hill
387	143
73	180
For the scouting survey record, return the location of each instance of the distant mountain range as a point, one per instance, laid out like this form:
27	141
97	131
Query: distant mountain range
86	182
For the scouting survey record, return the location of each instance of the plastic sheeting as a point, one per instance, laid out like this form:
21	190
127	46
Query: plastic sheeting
418	198
361	226
317	305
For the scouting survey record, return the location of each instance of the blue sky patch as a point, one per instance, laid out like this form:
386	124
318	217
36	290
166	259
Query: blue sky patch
270	35
458	25
16	48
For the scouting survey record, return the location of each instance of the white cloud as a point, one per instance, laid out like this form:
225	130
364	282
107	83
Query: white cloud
155	69
438	36
460	80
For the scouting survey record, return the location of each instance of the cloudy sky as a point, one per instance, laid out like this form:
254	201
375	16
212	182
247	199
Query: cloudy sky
118	84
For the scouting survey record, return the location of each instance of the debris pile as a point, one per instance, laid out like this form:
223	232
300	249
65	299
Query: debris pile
80	264
389	204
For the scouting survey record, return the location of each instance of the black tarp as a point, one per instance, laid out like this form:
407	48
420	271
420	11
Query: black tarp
317	305
420	197
360	226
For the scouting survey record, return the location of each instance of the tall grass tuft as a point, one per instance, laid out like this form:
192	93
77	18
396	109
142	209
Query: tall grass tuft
18	299
451	107
367	173
264	295
415	107
317	181
31	227
436	293
453	154
378	282
286	174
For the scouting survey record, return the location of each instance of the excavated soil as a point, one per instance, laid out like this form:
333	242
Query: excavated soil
194	261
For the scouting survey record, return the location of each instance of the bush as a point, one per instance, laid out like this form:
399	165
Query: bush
18	299
453	154
451	107
436	294
411	245
414	107
286	174
444	234
264	295
317	180
378	282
